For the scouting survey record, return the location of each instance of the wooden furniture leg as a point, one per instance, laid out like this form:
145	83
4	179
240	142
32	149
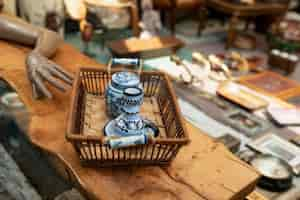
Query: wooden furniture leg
231	34
263	23
163	16
172	20
203	12
290	69
134	13
247	24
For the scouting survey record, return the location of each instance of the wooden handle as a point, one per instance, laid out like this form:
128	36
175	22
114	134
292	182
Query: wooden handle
109	68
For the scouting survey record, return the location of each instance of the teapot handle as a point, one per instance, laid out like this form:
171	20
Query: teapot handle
125	61
152	126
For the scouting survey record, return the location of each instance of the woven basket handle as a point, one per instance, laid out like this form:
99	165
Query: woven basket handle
125	61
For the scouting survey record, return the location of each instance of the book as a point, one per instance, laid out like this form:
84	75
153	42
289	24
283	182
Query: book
285	116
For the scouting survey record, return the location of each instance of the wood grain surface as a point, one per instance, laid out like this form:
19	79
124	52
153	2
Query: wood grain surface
259	8
135	46
272	84
202	170
241	97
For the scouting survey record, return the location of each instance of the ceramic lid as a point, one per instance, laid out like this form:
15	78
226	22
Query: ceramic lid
125	79
132	100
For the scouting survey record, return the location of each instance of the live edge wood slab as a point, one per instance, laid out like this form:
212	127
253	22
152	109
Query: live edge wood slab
202	170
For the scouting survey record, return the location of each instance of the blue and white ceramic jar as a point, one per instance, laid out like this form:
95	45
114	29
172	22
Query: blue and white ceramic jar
130	128
120	81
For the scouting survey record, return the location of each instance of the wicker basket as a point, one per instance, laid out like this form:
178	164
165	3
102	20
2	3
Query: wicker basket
93	151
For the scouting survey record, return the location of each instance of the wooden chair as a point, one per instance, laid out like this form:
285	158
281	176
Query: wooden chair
172	6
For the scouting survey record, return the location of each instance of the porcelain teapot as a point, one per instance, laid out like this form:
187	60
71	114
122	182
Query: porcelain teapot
119	82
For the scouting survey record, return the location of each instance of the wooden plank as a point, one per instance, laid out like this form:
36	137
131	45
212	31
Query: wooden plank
202	170
256	196
135	46
241	97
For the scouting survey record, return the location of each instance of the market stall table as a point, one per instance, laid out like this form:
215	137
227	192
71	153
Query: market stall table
202	170
238	10
210	112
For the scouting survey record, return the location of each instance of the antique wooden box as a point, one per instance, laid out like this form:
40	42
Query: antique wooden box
271	83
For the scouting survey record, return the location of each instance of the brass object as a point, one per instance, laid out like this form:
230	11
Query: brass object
178	61
211	60
243	63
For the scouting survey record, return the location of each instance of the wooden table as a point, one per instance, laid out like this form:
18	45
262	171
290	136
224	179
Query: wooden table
145	48
237	11
202	170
